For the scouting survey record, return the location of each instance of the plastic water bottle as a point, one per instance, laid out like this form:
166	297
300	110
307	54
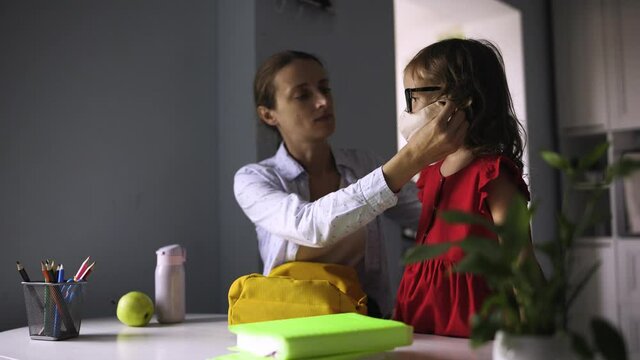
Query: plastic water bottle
170	284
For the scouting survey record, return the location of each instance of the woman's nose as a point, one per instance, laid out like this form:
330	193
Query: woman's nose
322	99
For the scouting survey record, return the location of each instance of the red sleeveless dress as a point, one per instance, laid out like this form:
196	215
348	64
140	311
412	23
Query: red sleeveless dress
431	298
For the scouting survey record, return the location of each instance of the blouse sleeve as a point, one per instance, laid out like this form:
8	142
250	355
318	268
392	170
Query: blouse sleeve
259	193
491	170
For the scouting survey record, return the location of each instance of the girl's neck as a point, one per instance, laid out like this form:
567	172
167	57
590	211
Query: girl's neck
316	157
456	161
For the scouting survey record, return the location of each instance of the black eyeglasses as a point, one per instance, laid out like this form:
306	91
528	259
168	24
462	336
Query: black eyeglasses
408	94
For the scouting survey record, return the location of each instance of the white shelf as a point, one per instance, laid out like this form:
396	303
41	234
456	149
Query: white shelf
598	79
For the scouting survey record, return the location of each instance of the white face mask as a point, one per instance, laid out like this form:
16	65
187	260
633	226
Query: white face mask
409	123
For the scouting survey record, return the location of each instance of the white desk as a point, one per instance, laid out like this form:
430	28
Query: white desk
201	336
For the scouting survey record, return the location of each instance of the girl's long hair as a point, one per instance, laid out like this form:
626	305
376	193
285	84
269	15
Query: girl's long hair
471	73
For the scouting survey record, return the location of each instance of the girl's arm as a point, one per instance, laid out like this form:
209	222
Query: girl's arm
499	195
501	192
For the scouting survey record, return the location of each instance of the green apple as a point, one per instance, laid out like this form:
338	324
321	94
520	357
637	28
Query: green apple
135	308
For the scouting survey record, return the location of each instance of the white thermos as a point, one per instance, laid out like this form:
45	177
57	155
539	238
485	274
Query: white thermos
170	284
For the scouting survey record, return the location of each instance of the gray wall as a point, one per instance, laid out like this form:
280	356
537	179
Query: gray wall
122	124
237	143
107	144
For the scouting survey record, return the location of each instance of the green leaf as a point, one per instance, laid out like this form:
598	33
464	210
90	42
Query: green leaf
608	340
515	229
425	252
593	156
454	216
622	168
488	248
555	160
480	265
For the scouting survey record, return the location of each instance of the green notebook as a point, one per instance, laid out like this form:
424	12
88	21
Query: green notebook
321	336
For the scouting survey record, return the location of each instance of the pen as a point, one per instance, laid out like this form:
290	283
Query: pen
22	272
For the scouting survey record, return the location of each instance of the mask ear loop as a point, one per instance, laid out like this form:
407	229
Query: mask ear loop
466	107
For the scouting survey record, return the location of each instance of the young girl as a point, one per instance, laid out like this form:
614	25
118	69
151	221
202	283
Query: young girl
481	177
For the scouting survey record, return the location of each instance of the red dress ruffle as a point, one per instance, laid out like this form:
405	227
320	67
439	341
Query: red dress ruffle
431	297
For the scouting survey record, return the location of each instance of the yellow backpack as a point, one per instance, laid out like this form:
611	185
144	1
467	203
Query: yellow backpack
296	289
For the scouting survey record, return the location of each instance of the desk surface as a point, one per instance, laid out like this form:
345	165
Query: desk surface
201	336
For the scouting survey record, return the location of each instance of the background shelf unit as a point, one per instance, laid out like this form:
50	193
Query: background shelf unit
597	70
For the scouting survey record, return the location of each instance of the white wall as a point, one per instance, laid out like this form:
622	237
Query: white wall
419	23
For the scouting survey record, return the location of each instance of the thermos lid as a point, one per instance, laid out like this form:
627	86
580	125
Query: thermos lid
172	255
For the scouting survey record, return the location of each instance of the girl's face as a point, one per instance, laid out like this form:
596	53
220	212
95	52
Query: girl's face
422	99
304	106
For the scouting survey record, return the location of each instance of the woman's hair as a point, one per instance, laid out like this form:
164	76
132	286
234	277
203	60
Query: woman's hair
264	92
471	73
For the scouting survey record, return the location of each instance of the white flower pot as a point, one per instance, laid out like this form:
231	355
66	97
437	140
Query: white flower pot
527	347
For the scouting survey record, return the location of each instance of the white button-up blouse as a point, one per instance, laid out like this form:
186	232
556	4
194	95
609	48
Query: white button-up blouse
274	194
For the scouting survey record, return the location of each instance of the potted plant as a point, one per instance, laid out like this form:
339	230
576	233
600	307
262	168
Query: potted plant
526	306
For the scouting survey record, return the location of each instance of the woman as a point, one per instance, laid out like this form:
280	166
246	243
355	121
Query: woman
310	202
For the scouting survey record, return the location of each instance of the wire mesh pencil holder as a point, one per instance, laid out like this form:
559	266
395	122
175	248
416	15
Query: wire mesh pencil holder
54	310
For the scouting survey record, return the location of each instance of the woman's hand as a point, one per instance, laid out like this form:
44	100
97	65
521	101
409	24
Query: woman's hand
435	140
440	137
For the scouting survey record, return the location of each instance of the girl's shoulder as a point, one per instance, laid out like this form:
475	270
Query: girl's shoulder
493	165
490	167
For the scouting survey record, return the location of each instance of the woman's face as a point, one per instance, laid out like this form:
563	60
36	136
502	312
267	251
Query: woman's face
304	106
